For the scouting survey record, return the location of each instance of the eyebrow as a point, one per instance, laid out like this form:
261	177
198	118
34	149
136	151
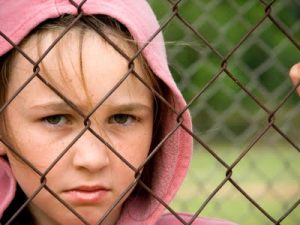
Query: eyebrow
128	107
52	105
120	107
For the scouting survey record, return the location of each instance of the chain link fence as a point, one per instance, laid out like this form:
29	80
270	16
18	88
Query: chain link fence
231	60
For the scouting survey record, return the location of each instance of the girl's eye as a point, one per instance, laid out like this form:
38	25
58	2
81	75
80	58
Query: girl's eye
123	119
55	120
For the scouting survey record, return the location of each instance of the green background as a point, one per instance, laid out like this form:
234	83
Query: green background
225	117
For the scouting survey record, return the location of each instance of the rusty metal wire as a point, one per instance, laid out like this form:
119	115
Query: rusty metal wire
223	70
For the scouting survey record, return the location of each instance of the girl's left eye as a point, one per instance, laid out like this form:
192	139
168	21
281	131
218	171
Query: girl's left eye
55	120
123	119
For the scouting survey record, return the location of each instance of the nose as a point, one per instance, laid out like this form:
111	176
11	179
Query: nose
90	153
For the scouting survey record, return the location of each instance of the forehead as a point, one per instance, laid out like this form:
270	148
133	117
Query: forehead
81	65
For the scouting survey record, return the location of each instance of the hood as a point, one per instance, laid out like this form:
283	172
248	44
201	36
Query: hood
171	164
7	186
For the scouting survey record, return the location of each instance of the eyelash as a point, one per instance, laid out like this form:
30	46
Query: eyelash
112	119
48	118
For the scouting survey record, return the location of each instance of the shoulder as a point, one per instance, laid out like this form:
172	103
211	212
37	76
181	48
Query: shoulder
170	219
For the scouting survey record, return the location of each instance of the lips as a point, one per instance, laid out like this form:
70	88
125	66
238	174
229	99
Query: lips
86	194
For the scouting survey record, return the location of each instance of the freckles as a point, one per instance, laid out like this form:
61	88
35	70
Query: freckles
39	157
25	176
137	151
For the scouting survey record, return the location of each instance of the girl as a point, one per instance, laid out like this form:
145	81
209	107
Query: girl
93	128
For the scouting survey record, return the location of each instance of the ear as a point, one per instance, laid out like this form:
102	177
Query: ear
295	75
3	149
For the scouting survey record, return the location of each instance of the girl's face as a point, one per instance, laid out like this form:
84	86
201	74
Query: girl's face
40	125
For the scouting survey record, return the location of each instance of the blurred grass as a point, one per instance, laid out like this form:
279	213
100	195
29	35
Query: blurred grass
272	180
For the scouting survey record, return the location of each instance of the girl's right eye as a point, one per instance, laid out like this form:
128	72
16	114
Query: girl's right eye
55	120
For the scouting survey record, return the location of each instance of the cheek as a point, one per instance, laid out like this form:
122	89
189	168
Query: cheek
28	180
37	148
135	153
136	147
39	155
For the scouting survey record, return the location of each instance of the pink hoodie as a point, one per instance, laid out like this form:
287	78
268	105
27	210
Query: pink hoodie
19	17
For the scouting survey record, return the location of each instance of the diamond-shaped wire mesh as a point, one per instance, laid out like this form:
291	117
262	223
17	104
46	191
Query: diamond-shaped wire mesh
231	60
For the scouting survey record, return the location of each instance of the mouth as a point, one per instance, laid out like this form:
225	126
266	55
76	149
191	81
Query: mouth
86	194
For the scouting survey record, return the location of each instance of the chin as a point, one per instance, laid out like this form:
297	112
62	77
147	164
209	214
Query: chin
91	216
76	221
